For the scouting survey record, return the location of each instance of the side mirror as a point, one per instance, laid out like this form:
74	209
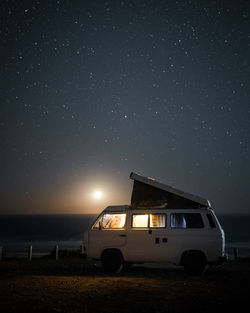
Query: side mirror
100	225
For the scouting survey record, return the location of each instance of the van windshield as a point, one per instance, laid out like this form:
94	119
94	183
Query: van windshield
111	221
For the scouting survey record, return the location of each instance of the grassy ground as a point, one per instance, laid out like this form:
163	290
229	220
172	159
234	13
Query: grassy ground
75	285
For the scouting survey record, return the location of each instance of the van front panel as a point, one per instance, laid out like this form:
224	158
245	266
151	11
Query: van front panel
109	231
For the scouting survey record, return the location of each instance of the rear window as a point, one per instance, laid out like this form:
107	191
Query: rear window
211	221
186	220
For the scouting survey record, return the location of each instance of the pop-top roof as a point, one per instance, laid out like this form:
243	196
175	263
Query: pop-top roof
116	208
148	191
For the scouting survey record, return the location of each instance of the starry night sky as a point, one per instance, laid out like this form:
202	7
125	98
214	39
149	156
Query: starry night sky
92	90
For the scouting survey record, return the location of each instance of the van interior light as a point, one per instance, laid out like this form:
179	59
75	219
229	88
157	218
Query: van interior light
157	220
113	220
140	220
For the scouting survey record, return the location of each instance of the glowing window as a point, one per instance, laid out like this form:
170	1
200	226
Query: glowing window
157	220
111	221
140	220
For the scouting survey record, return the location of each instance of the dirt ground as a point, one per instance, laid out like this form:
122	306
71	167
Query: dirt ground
75	285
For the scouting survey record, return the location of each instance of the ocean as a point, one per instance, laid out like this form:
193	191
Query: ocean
43	232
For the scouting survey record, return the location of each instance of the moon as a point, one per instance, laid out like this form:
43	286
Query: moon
97	194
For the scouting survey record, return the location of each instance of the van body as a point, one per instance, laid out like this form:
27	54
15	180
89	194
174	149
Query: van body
123	235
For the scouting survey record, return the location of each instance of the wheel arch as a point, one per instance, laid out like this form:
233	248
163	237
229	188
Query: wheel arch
112	260
192	251
108	249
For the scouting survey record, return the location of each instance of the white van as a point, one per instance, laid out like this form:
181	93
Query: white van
123	235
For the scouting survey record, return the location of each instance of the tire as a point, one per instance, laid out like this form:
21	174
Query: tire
195	263
112	261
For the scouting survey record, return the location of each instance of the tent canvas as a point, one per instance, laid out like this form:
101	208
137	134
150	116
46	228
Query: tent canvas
149	192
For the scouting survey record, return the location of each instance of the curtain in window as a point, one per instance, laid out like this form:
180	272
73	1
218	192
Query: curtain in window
178	221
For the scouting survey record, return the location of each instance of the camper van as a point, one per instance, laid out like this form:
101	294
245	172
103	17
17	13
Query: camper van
162	224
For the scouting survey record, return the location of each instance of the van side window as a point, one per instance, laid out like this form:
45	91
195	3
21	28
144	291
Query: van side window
211	221
139	220
111	221
157	220
186	220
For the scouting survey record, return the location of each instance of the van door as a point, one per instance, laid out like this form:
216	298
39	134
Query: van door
147	239
187	232
109	231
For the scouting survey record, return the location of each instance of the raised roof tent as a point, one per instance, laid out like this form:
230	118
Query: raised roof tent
151	193
116	208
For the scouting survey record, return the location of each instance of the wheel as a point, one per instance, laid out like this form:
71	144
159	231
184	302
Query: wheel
195	263
112	261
